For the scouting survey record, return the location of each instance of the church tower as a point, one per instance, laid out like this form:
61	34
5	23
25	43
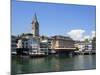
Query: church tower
35	27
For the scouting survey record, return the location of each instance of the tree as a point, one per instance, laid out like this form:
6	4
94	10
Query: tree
86	40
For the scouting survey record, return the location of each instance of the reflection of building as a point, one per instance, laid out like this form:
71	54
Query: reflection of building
13	44
94	43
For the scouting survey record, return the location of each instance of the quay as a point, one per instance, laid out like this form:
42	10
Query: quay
58	52
86	52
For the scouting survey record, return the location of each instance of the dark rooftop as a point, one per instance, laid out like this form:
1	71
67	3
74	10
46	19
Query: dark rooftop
61	37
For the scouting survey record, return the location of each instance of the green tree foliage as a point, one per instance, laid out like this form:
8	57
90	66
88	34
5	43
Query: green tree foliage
86	40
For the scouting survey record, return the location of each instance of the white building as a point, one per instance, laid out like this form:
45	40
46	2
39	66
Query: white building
34	46
46	44
82	46
22	43
29	42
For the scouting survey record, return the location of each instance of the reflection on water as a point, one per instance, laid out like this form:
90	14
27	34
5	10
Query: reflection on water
52	63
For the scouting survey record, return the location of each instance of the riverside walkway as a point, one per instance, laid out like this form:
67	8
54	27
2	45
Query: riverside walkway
86	52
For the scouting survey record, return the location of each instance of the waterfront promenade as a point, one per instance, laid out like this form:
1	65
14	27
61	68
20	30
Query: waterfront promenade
86	52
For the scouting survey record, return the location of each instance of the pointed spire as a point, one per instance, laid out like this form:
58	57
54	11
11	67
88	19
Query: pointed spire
34	18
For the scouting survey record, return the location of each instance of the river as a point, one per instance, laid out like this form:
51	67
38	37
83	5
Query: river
24	65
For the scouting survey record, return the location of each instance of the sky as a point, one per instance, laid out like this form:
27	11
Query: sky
76	21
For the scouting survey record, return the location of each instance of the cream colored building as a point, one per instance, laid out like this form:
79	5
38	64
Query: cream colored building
62	43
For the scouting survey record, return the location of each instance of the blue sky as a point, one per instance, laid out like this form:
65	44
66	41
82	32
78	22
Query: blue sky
54	19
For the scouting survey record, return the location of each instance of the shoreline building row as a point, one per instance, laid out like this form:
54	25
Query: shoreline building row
34	44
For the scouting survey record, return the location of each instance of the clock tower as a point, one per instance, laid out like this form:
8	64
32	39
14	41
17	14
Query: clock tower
35	26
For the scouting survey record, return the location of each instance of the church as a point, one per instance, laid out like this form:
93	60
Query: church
35	45
29	43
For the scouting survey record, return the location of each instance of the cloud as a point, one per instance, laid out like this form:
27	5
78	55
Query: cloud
93	34
77	34
86	37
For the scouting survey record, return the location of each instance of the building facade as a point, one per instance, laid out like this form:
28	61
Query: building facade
94	43
45	44
62	44
83	46
13	44
28	43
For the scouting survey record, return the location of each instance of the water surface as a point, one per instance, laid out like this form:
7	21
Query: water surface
52	63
